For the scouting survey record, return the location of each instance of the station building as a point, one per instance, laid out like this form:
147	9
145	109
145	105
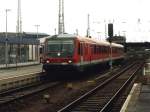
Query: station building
19	49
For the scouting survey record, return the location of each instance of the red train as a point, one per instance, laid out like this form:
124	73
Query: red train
65	52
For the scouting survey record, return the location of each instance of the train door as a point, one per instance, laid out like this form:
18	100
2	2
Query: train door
81	53
81	57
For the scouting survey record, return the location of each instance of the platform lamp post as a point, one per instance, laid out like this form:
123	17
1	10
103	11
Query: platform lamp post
110	34
37	29
37	36
6	41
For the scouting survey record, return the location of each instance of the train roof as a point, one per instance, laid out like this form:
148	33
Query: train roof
94	41
117	45
63	36
85	39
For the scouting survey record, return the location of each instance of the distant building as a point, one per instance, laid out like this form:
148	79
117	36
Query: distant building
19	49
24	34
118	39
137	46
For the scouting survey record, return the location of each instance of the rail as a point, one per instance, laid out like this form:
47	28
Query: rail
18	93
83	99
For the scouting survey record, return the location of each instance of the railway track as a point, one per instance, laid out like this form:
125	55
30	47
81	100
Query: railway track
15	94
14	89
104	96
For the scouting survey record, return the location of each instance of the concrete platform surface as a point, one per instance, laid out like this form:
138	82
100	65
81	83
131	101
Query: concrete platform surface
18	64
138	99
12	72
143	103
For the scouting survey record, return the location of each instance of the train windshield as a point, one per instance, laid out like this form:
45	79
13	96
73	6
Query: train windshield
58	48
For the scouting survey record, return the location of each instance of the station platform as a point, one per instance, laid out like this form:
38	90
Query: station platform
18	64
11	72
143	103
138	100
18	77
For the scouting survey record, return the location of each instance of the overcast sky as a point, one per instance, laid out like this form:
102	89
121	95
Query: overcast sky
131	17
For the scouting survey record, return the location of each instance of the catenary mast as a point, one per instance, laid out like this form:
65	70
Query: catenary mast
88	25
19	31
19	21
61	27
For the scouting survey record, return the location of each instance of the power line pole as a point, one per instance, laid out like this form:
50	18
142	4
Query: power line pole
110	34
19	32
6	41
61	27
37	29
19	21
37	37
88	25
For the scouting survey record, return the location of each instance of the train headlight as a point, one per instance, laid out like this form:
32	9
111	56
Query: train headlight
58	54
47	61
69	61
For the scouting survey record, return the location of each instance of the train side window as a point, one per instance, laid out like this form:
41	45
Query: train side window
94	49
41	50
91	49
99	49
102	50
4	86
79	49
105	49
85	49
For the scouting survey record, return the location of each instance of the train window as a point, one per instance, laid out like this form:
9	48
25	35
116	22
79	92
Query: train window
85	49
113	50
79	49
99	49
10	84
94	49
102	49
3	86
63	47
41	50
106	49
91	47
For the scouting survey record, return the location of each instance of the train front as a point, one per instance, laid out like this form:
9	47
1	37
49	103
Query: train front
59	54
